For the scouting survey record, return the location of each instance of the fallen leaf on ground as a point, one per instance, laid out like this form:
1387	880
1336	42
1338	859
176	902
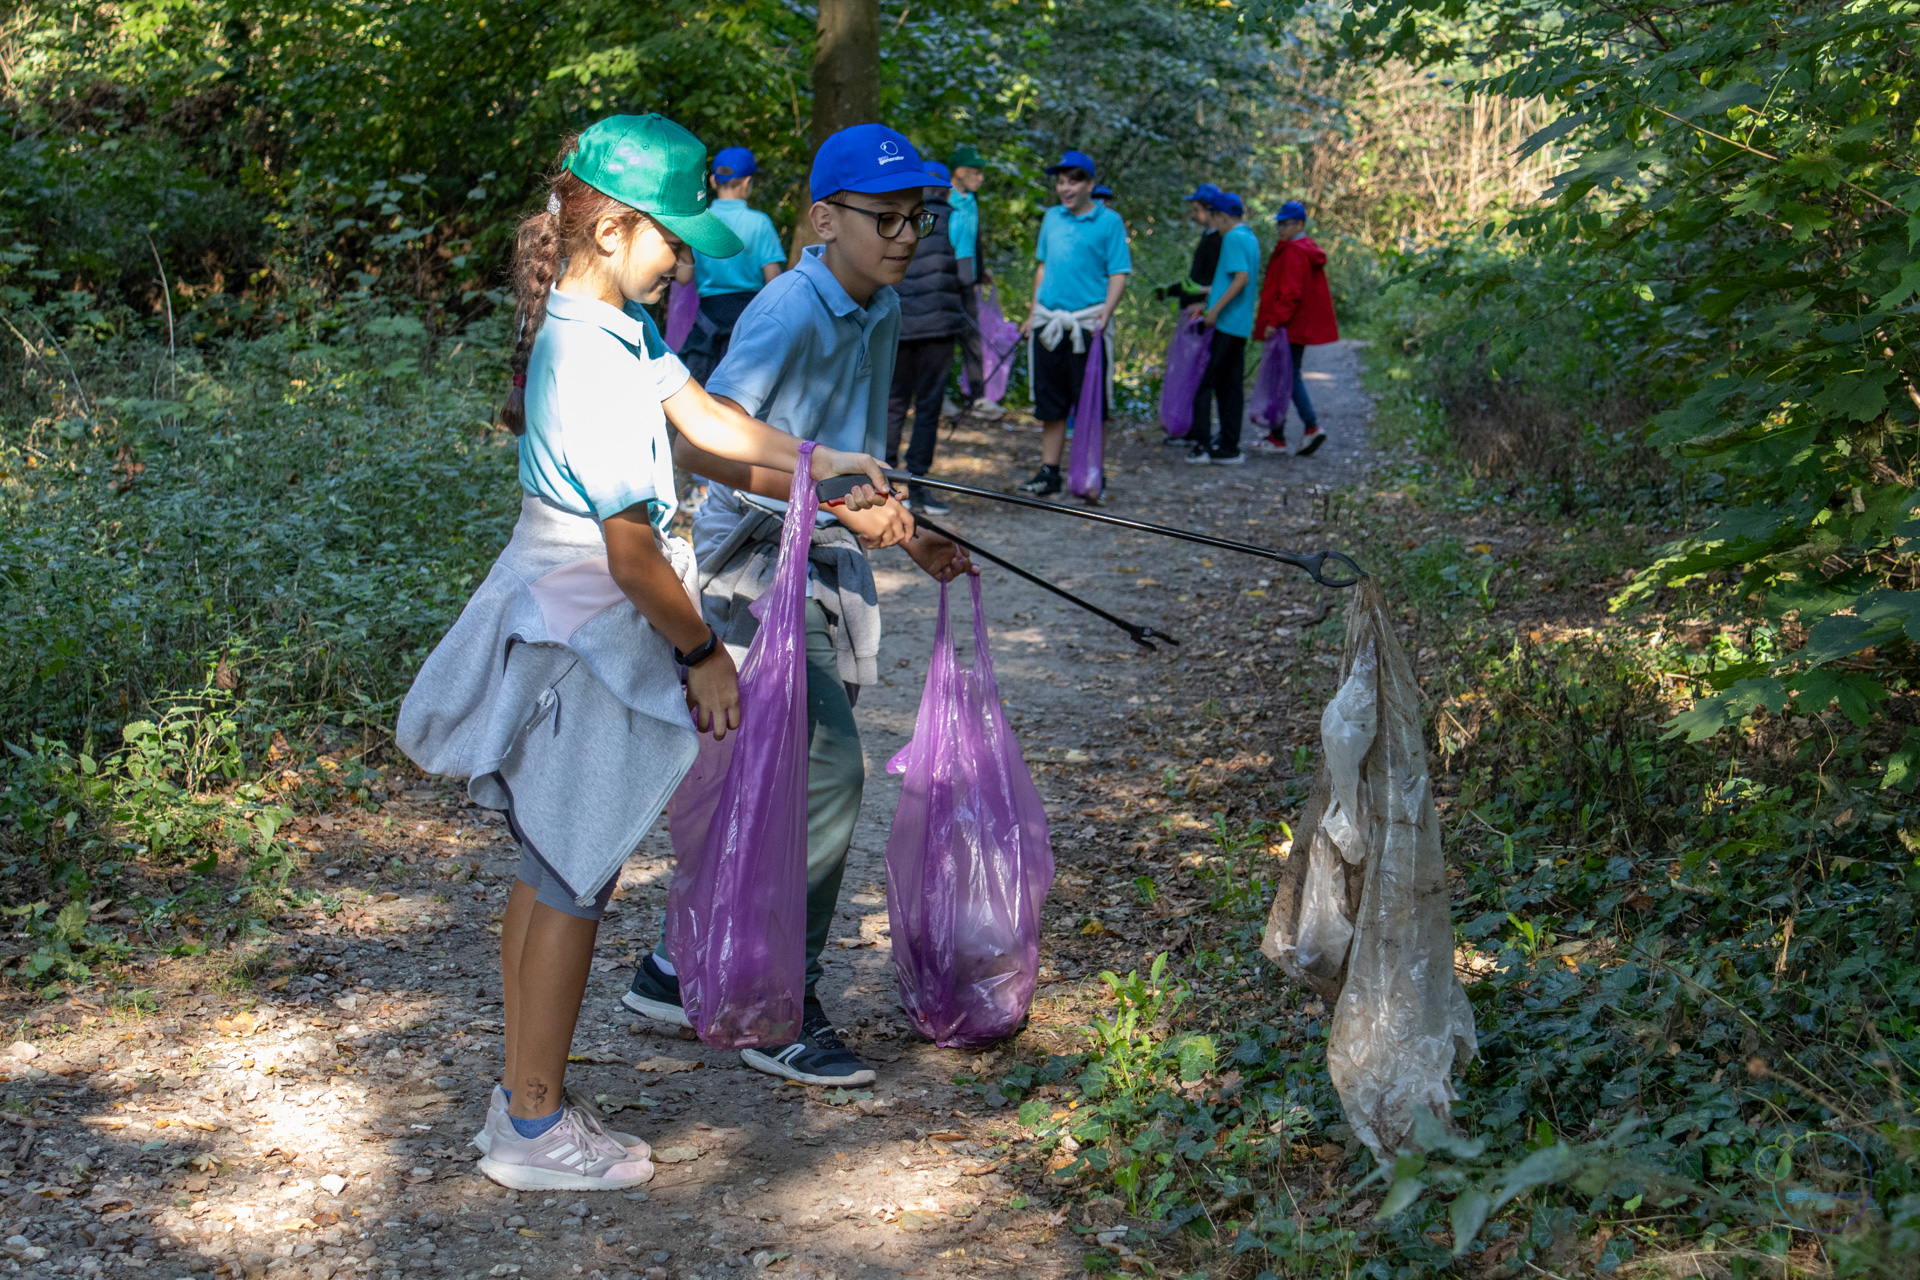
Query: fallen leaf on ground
601	1056
918	1220
675	1155
841	1097
666	1066
610	1104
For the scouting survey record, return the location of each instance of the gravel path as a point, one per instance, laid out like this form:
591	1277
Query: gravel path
310	1119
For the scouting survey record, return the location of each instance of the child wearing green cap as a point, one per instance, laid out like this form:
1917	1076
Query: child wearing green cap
558	692
814	355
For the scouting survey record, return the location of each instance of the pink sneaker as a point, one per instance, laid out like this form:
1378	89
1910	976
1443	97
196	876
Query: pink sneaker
577	1154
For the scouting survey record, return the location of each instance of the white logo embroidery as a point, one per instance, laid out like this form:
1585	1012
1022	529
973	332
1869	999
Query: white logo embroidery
889	152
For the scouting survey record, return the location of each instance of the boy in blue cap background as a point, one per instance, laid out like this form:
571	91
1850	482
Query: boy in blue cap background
1084	267
727	285
969	173
1229	313
1206	254
933	316
813	355
1295	297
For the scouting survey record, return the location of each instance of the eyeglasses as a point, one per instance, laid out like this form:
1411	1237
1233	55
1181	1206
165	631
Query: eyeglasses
891	224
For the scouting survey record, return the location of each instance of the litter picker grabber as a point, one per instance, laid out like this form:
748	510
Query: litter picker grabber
1142	636
1313	562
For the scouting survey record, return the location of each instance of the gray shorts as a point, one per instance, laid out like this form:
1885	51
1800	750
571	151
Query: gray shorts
551	893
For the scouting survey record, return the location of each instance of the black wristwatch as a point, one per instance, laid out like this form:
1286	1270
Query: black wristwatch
701	652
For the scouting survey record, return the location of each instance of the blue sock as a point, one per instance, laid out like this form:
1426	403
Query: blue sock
534	1128
508	1092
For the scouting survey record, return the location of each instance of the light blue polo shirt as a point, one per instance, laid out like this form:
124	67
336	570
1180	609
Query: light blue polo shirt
1239	251
1080	254
741	273
963	226
809	360
596	440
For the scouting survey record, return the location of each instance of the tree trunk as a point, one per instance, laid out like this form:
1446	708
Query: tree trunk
846	82
846	66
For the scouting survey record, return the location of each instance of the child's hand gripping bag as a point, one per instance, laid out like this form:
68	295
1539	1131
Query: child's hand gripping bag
737	909
683	308
968	862
1186	366
1087	464
1273	384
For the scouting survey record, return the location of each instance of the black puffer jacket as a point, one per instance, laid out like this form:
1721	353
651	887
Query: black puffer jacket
930	298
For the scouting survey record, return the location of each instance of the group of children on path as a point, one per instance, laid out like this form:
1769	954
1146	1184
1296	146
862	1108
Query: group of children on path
573	688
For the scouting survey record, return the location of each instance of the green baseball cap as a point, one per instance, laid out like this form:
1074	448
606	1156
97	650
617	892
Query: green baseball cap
965	156
654	165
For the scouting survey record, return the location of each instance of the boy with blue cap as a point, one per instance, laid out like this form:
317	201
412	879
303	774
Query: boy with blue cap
813	355
1206	254
1295	297
963	231
1084	267
727	285
1229	314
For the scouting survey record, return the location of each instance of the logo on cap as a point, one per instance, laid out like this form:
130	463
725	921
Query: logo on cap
889	152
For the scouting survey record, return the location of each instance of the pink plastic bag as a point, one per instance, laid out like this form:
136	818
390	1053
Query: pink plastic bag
999	339
1087	464
737	909
1272	385
683	308
968	863
1186	365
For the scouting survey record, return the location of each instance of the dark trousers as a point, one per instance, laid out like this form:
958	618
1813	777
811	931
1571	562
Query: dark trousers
1225	380
971	360
1300	398
919	379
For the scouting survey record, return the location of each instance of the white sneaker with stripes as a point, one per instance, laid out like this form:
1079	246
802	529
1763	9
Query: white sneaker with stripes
497	1120
577	1154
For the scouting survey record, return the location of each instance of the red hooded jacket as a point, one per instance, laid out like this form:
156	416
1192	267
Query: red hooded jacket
1295	295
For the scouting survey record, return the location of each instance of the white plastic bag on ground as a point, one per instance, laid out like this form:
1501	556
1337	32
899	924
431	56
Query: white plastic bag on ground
1362	914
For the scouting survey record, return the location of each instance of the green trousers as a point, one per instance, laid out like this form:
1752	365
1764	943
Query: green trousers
836	778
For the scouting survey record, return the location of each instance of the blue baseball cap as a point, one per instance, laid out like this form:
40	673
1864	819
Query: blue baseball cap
1204	193
1290	210
1228	202
870	159
1073	160
1103	193
939	170
733	162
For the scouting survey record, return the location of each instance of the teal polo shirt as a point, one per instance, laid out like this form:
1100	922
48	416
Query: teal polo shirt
1080	254
741	273
963	226
1239	251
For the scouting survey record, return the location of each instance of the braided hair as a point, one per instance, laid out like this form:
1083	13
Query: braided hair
541	248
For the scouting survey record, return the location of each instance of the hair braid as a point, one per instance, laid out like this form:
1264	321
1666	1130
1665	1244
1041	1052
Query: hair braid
541	247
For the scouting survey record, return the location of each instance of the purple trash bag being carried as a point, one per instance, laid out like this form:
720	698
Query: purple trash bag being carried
968	863
1186	365
1272	385
999	339
737	909
683	308
1087	464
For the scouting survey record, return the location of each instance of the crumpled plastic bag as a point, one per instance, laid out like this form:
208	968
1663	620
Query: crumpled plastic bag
1186	366
1087	464
1272	384
968	861
683	308
737	907
1362	915
999	339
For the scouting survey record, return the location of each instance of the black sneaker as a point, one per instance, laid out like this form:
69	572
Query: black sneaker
1314	438
921	502
1045	483
817	1057
656	995
1198	456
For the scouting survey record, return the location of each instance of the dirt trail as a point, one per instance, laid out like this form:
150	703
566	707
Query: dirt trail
315	1125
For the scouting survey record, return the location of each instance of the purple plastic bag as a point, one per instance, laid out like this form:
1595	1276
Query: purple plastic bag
1087	464
999	339
968	863
737	909
1186	365
1272	385
683	308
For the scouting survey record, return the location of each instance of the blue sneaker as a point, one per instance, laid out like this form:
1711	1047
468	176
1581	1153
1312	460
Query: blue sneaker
656	995
817	1057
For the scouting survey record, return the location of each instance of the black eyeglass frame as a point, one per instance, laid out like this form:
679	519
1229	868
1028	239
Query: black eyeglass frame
922	222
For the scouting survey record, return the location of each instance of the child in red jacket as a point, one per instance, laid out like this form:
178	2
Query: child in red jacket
1294	296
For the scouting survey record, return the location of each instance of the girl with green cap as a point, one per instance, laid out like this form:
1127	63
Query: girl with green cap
558	694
